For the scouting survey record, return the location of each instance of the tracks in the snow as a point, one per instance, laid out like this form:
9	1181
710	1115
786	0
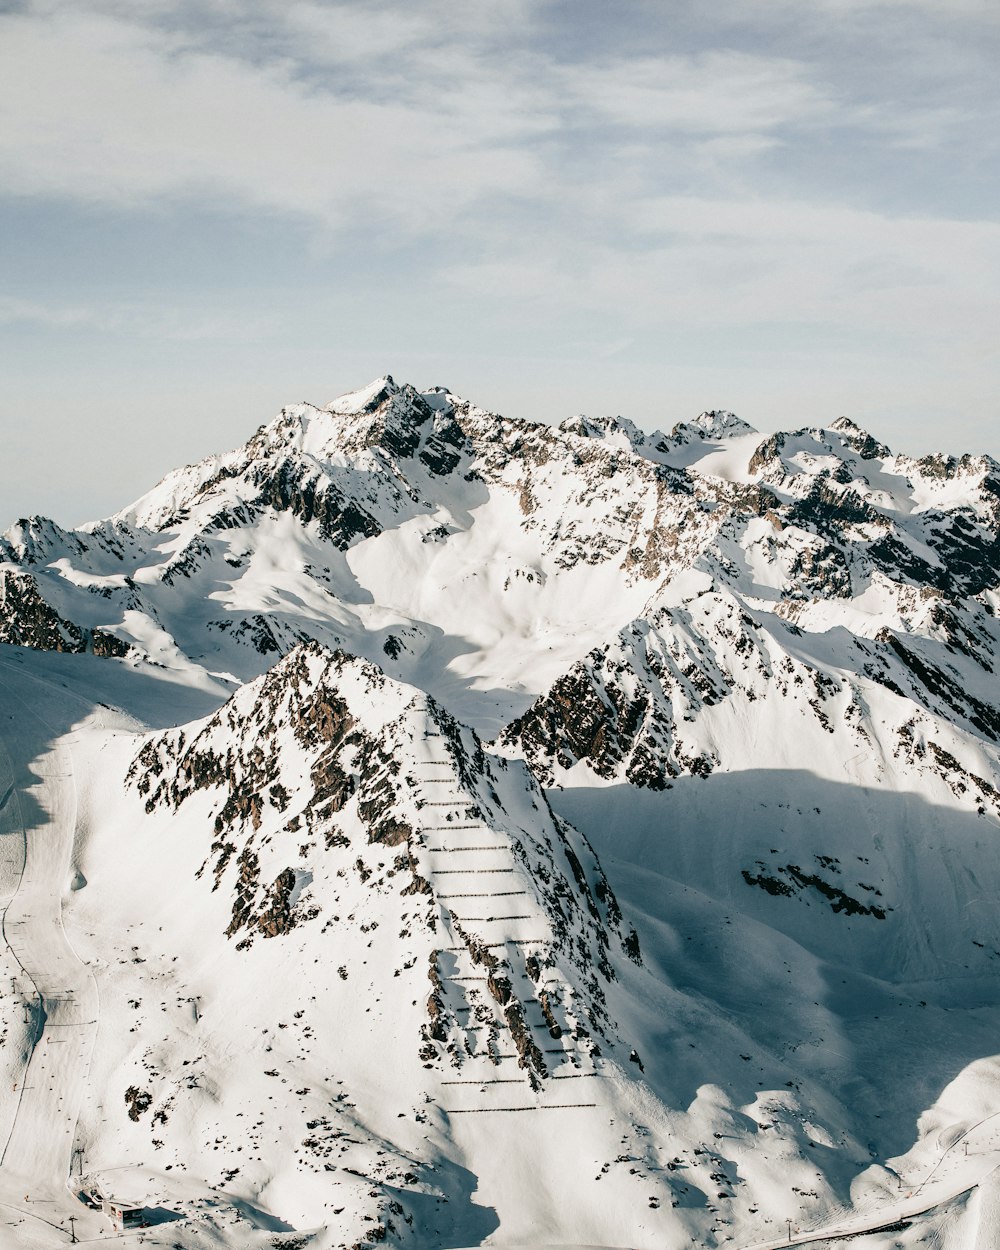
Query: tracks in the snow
38	1150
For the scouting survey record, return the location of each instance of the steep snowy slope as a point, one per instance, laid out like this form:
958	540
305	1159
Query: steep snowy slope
361	978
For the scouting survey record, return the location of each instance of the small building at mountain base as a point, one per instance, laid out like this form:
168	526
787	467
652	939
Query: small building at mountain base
123	1215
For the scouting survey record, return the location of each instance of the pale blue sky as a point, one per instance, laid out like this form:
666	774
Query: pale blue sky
212	208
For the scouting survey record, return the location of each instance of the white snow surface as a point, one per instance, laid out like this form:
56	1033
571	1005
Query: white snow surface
426	828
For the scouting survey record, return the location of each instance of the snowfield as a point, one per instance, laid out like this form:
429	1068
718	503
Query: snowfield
429	829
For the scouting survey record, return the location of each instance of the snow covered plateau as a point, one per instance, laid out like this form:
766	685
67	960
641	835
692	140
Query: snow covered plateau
428	829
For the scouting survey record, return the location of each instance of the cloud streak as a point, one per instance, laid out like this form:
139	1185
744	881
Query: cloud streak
135	320
345	113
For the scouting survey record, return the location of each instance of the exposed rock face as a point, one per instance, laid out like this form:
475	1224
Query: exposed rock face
789	878
624	708
340	521
27	620
138	1101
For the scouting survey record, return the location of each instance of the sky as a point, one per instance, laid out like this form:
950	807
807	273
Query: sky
212	208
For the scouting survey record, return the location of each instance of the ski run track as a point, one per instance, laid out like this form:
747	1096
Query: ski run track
57	991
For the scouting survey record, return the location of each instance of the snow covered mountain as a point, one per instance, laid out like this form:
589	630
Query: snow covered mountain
428	827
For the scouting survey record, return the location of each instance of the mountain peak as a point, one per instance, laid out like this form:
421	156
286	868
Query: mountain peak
845	424
618	430
368	398
720	423
867	447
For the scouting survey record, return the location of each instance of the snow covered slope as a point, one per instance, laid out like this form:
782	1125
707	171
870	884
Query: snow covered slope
701	943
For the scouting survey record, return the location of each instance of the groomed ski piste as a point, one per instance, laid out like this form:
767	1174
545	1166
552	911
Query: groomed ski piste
698	951
55	988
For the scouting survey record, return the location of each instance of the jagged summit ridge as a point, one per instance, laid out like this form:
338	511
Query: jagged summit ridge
293	536
368	398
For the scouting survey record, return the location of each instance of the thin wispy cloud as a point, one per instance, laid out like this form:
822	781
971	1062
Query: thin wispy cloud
718	92
315	110
159	322
108	112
